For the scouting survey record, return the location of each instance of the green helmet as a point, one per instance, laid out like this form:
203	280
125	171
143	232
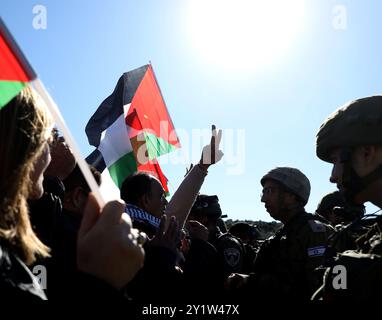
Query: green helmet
329	201
358	122
336	203
292	179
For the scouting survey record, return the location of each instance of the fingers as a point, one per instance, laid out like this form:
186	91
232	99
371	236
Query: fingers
173	228
218	139
162	225
112	213
211	153
91	214
213	136
213	143
142	238
219	155
138	237
192	224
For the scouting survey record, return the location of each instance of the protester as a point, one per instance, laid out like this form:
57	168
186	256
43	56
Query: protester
147	205
108	253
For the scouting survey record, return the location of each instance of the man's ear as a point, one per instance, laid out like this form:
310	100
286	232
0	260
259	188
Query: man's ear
143	201
78	197
289	198
369	153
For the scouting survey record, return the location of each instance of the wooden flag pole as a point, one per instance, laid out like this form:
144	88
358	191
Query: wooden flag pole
60	122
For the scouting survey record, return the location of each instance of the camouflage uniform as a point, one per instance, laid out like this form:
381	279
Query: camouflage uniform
362	279
349	236
355	275
285	263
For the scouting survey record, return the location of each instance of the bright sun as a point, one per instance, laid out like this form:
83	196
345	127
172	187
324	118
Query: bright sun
244	33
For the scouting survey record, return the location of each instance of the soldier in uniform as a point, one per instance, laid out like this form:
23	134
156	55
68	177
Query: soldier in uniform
351	140
346	219
285	264
206	210
249	236
325	209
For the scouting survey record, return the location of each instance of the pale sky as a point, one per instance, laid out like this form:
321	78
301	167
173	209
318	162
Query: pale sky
266	72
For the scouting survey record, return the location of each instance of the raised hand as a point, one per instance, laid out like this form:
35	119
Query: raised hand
108	247
169	238
211	153
196	230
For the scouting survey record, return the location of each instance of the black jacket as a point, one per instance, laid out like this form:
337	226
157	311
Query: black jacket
16	280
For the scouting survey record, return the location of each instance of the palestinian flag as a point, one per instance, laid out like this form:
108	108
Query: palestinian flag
15	71
131	128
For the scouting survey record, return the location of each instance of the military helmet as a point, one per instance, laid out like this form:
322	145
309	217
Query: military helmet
358	122
292	179
329	201
336	203
207	205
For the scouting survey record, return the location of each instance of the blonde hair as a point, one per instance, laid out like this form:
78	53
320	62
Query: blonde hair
25	125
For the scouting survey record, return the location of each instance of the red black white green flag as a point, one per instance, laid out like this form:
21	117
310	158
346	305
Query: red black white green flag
132	127
15	71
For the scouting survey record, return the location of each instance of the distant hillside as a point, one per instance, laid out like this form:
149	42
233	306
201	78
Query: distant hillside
265	229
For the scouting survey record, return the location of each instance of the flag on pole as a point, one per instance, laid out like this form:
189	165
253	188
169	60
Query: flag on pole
15	71
132	127
15	74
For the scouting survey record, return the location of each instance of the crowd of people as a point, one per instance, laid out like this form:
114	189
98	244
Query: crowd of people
147	249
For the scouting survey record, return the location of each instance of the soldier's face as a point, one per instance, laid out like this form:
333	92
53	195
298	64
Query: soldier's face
363	160
272	196
337	170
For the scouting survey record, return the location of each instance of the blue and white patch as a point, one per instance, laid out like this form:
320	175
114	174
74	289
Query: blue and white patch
316	251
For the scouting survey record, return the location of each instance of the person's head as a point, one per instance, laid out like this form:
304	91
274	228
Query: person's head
206	210
244	231
77	189
146	192
351	140
285	191
328	203
335	209
25	132
63	160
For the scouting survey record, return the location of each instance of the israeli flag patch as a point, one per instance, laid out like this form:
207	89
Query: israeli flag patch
316	251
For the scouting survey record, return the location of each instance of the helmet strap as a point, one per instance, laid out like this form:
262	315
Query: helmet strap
352	182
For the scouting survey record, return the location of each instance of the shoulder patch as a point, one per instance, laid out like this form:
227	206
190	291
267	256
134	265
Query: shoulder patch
317	226
232	256
316	251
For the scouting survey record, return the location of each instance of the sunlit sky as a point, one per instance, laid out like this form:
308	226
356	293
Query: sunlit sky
268	71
